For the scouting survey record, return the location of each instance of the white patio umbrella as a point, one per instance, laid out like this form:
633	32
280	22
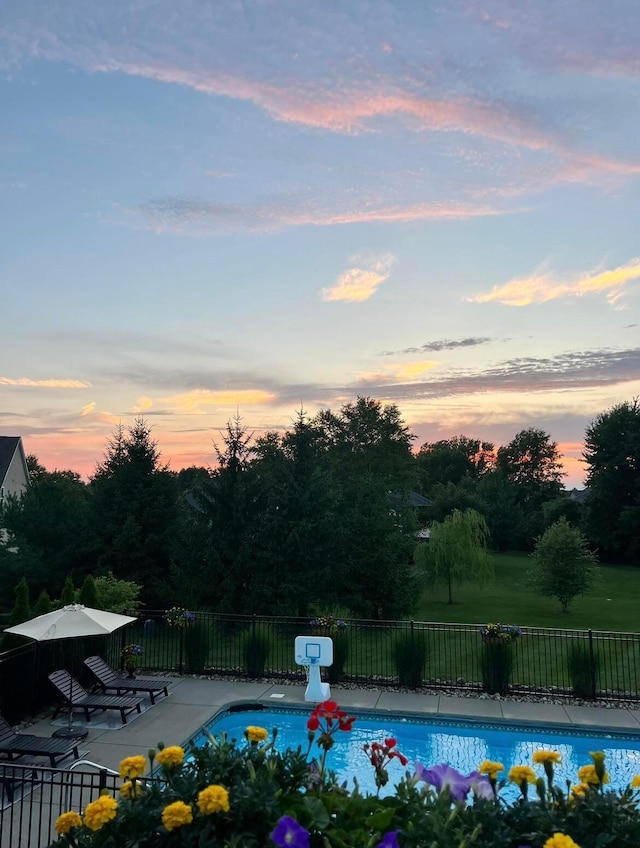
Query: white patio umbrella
70	622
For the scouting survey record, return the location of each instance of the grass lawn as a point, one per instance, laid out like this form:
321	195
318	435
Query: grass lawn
612	604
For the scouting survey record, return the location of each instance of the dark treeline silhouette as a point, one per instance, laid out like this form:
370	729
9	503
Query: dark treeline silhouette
320	516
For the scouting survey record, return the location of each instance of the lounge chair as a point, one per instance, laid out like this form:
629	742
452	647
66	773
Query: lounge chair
18	744
109	679
75	696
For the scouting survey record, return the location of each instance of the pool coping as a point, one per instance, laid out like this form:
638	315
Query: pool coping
550	725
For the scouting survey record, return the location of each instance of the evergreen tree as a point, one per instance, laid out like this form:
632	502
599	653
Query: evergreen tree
43	604
88	596
22	608
20	613
134	500
68	595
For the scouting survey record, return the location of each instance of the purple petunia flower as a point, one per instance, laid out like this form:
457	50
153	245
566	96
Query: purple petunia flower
289	834
481	786
445	779
389	840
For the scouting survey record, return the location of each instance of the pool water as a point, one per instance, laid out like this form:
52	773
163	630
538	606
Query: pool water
431	741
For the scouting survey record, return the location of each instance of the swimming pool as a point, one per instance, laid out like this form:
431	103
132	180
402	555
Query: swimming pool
462	744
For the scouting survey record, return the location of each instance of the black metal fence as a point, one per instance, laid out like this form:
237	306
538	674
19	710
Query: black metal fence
565	663
33	796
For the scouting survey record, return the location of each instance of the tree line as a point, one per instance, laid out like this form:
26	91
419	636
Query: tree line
318	516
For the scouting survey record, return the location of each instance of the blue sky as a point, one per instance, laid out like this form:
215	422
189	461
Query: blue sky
211	207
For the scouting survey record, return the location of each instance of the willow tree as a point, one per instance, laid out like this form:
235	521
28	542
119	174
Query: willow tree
457	550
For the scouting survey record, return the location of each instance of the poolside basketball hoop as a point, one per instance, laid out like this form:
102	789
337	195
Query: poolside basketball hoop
313	652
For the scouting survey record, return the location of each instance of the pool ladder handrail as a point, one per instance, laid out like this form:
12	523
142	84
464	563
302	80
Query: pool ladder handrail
104	771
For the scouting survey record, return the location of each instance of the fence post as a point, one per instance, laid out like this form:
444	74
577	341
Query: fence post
102	780
592	665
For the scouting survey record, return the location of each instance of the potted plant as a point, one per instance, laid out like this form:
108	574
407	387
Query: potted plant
129	656
497	656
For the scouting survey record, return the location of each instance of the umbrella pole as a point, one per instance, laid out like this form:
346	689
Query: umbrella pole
71	732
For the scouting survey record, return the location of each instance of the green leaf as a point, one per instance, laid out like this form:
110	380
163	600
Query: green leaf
319	814
381	819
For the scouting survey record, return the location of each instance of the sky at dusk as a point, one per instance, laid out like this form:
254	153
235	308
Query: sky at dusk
262	205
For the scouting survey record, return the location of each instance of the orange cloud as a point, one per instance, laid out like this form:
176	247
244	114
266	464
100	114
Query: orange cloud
143	404
399	372
44	384
88	408
542	287
358	284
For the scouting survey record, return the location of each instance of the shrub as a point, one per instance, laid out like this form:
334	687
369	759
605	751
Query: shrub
496	663
410	653
582	666
196	645
255	648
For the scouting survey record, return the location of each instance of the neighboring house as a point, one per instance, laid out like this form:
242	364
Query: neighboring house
412	499
14	474
579	495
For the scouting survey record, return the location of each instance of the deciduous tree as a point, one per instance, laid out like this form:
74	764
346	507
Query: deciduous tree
612	454
457	550
565	565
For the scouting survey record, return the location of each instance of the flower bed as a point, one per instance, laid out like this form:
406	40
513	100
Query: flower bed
248	793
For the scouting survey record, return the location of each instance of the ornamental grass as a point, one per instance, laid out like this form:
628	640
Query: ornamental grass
231	793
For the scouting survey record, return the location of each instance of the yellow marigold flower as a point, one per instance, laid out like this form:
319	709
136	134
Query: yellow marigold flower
588	774
133	766
127	789
579	789
635	781
542	757
213	799
66	821
520	774
176	814
560	840
100	811
255	734
171	756
490	768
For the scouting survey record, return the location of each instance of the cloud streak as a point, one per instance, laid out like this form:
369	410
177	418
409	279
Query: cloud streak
572	370
442	344
44	384
199	218
542	287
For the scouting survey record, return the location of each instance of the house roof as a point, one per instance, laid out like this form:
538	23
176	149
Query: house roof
413	499
8	447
